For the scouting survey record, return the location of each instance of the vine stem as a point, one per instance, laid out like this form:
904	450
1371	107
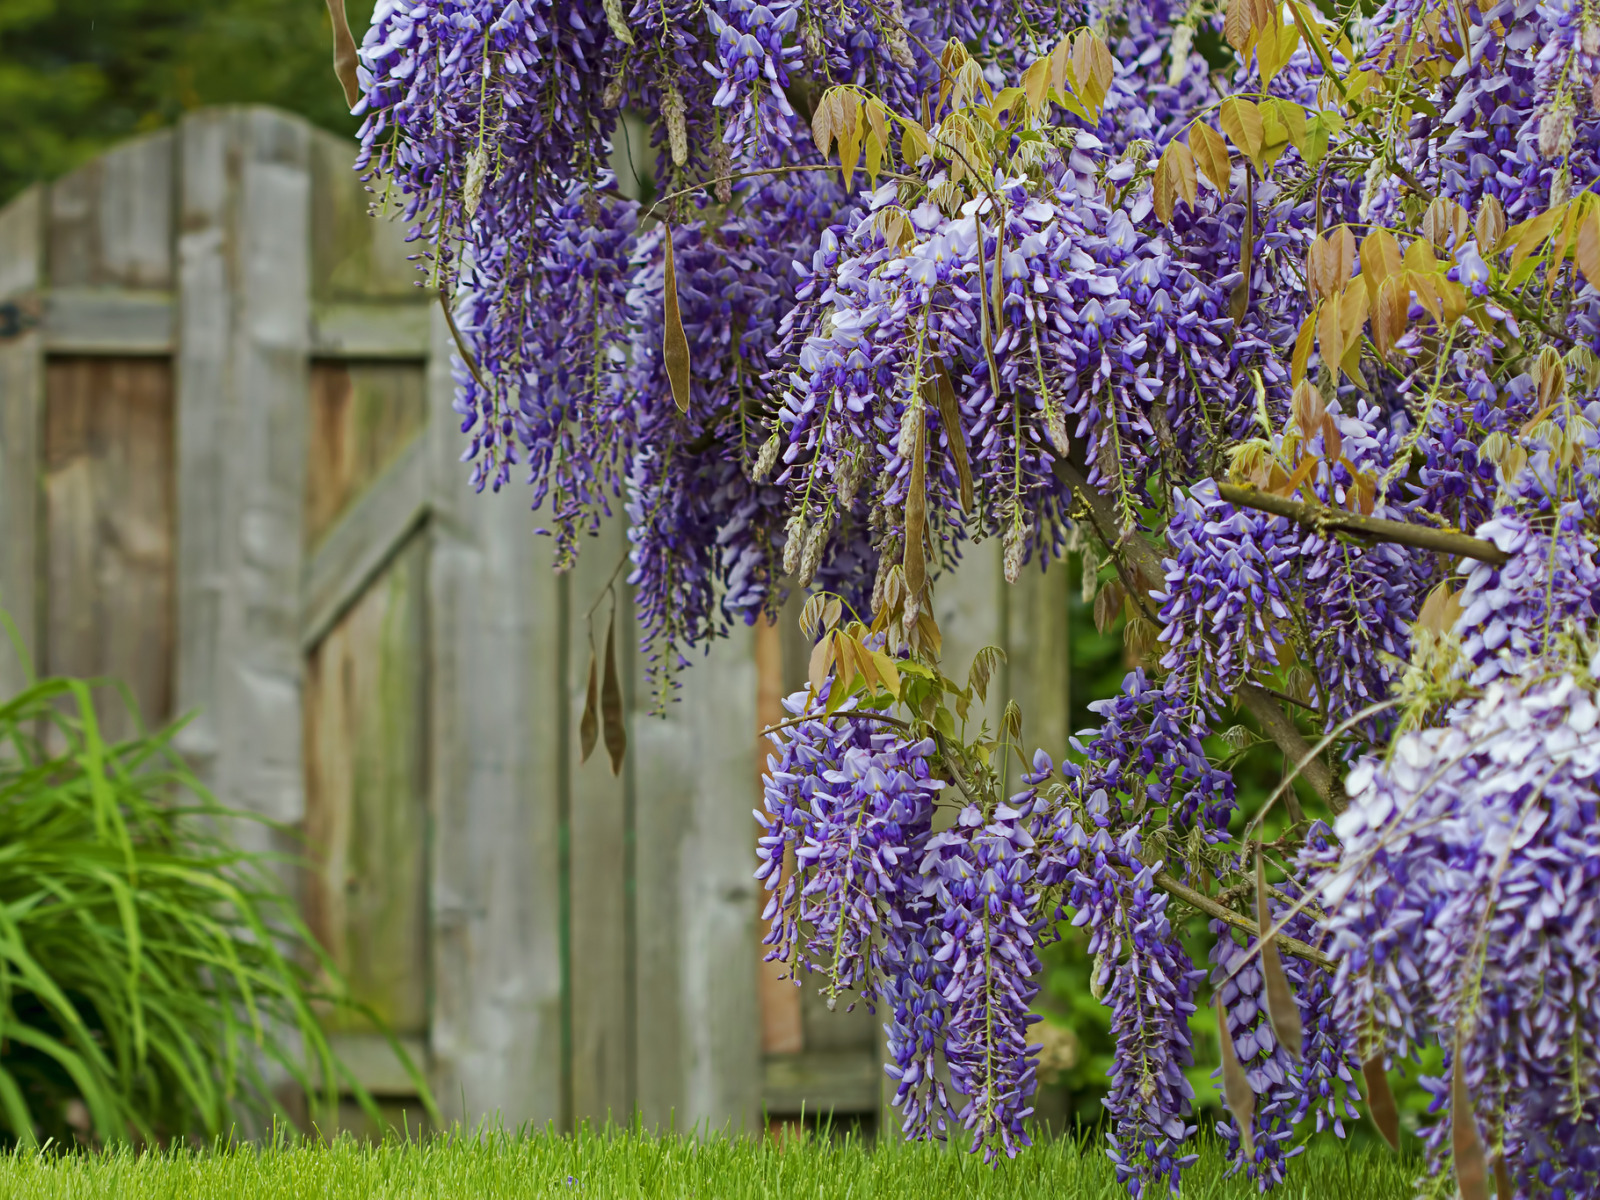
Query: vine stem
1323	519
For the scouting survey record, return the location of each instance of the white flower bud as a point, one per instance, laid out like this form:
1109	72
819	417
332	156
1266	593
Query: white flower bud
766	459
618	20
795	543
1055	426
1016	537
677	128
1182	43
472	185
811	558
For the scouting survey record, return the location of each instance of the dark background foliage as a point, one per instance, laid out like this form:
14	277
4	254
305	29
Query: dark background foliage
78	76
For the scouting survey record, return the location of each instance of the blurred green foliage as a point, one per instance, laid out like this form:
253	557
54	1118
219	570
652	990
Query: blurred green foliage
78	76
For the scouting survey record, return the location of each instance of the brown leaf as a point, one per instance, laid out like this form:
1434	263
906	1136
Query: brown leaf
611	718
950	418
832	611
1211	156
1238	26
589	727
1282	1009
1352	316
1503	1187
1108	604
1490	225
1440	610
1443	221
916	511
1588	248
822	129
1472	1169
344	53
1235	1087
1307	408
811	613
1165	187
1328	262
1390	313
1380	1100
674	343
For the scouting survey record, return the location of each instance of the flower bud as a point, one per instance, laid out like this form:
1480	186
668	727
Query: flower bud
677	128
795	543
766	459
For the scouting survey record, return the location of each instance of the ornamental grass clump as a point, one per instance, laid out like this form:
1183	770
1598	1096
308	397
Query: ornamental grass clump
155	983
1282	319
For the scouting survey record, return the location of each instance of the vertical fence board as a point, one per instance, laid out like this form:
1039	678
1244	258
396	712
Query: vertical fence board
366	800
244	329
969	603
497	702
602	1083
363	415
21	408
109	529
111	220
699	1032
1038	669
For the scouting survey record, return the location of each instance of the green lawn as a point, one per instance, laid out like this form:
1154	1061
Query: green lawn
631	1165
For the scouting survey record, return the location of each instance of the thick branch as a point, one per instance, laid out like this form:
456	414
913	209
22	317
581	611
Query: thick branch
1209	906
1374	529
1142	557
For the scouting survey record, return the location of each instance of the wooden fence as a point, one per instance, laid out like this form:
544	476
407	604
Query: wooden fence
229	477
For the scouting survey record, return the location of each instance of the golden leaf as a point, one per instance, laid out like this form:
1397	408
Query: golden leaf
1211	155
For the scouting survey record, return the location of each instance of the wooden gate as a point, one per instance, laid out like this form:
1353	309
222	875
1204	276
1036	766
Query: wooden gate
229	477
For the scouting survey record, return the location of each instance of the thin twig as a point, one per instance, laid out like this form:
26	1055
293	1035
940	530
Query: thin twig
461	345
1324	519
1207	905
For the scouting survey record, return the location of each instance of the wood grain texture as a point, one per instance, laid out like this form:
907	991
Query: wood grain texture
22	386
1038	667
496	695
781	1029
366	796
601	973
363	416
244	333
117	322
110	515
362	541
111	220
699	1019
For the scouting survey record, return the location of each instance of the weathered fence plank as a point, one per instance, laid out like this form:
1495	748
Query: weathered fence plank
366	796
22	386
244	319
109	530
497	719
601	970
